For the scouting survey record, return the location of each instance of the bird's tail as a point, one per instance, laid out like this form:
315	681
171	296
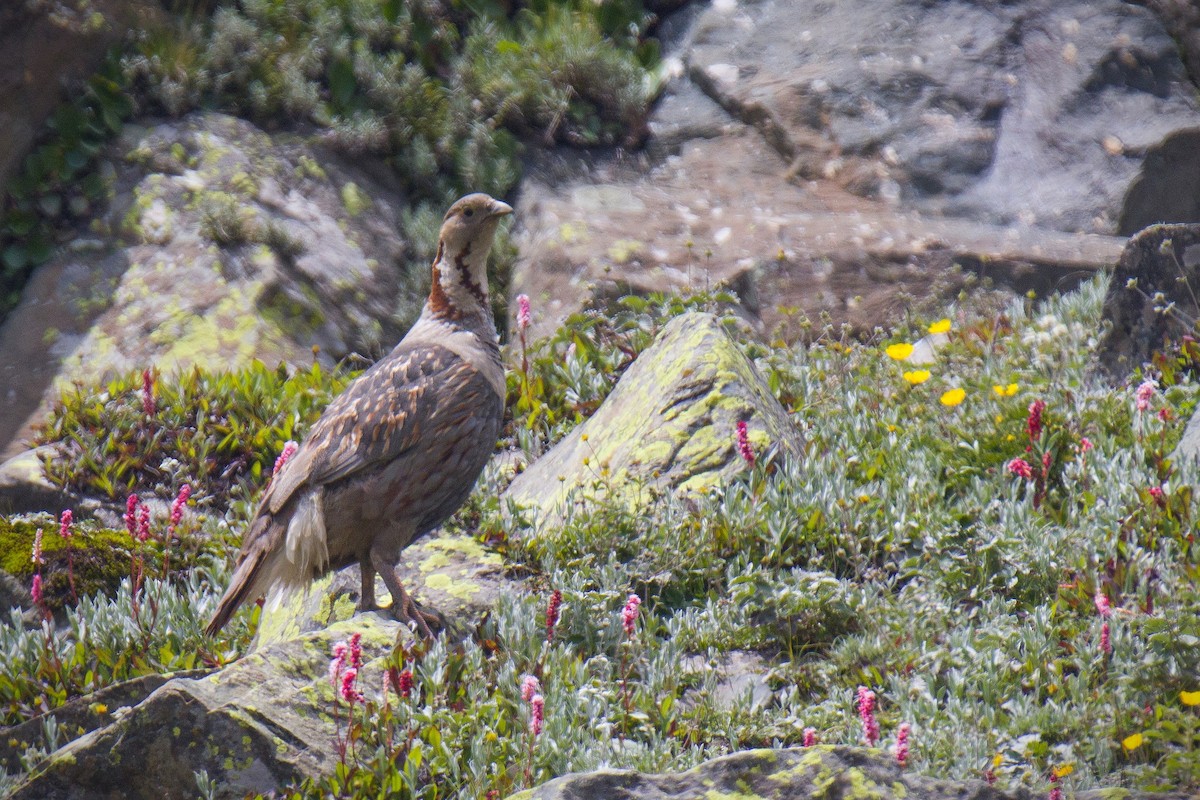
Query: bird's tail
276	559
246	583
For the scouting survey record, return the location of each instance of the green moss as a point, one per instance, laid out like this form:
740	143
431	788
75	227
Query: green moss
354	200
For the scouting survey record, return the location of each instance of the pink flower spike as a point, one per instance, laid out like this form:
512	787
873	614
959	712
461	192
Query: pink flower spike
1102	604
529	687
37	548
810	737
404	683
337	663
1144	393
1156	493
64	529
289	450
355	650
629	614
743	443
902	744
349	678
1021	468
537	705
552	610
36	589
1034	423
143	524
1085	444
524	315
131	515
1105	639
178	504
1055	791
148	405
866	712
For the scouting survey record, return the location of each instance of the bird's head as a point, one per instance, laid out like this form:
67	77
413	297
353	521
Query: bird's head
460	269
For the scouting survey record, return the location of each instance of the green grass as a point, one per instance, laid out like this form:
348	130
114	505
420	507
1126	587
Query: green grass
900	553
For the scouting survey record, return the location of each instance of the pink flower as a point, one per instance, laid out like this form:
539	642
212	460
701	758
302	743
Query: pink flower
36	589
1156	493
37	548
355	650
148	393
529	687
743	443
177	505
866	712
1055	791
1102	604
349	693
131	515
524	316
404	683
143	528
337	664
537	707
552	610
1144	393
1105	640
902	744
1021	468
1085	444
1034	422
629	614
289	450
64	529
1164	414
810	737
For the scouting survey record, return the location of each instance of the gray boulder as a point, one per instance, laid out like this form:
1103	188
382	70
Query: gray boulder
861	159
791	774
1151	300
669	425
223	244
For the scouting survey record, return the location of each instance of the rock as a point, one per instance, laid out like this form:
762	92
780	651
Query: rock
451	574
43	48
1151	298
668	425
821	771
815	165
1165	189
258	724
223	244
24	487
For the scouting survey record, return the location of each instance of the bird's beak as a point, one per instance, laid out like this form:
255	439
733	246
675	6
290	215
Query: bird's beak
499	208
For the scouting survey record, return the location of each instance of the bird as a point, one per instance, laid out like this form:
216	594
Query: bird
397	452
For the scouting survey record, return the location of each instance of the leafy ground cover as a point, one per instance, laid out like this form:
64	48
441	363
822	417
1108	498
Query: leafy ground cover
993	553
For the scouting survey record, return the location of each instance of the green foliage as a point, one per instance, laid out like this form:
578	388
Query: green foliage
217	431
61	181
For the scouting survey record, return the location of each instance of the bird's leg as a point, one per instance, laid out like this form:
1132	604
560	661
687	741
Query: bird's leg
403	606
366	598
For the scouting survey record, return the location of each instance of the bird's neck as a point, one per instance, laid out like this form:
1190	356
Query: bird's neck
460	290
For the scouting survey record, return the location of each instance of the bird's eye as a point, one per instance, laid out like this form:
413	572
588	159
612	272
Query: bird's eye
470	212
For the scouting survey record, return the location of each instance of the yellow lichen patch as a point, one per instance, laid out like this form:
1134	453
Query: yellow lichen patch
622	250
433	561
459	590
572	232
469	548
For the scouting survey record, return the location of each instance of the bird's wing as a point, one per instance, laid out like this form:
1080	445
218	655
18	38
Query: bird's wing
384	413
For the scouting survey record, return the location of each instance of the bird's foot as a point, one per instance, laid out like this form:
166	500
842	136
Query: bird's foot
425	622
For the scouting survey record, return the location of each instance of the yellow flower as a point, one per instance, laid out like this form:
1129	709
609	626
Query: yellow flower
1190	698
997	760
1132	742
899	351
916	376
953	397
941	326
1005	391
1064	770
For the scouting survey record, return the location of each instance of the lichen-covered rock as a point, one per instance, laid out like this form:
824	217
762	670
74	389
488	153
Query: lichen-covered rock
222	244
792	774
258	724
450	574
1151	301
668	425
24	486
